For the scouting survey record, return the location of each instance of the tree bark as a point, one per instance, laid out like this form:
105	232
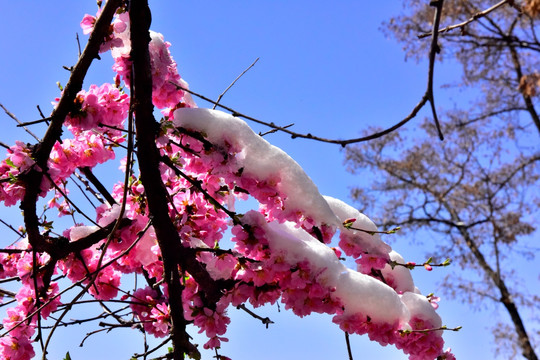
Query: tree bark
34	177
149	159
506	297
526	98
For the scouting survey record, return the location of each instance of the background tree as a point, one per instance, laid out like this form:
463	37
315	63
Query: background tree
476	191
474	196
497	46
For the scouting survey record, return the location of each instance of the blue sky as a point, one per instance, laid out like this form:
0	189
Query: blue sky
324	66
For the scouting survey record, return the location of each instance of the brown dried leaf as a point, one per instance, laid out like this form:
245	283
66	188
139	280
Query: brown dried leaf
532	8
528	84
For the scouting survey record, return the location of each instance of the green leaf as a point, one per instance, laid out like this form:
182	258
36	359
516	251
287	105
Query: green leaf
394	230
347	224
12	179
47	225
68	357
10	163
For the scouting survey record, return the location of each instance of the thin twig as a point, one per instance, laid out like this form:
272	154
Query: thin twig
78	43
112	127
93	333
37	297
40	112
126	187
13	251
370	232
10	114
80	294
13	278
428	96
148	352
219	252
235	80
475	17
266	320
88	188
71	203
434	49
425	331
349	350
23	124
12	228
4	292
274	130
198	185
294	135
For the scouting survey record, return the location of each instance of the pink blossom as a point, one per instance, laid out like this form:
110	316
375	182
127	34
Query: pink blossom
87	24
368	262
214	343
99	107
19	160
16	320
433	300
13	348
447	355
160	320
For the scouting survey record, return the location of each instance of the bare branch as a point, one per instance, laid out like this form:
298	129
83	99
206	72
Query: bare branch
11	115
234	82
32	180
295	135
434	50
475	17
349	350
266	321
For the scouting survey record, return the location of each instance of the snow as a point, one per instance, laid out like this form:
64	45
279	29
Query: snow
108	216
370	243
358	292
79	232
259	159
420	307
400	276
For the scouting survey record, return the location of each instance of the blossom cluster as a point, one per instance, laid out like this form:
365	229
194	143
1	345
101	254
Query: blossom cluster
34	300
282	249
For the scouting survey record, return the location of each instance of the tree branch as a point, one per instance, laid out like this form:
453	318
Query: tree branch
148	155
234	82
295	135
475	17
11	115
32	180
433	51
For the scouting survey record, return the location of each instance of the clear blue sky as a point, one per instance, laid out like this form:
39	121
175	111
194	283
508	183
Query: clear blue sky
324	66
